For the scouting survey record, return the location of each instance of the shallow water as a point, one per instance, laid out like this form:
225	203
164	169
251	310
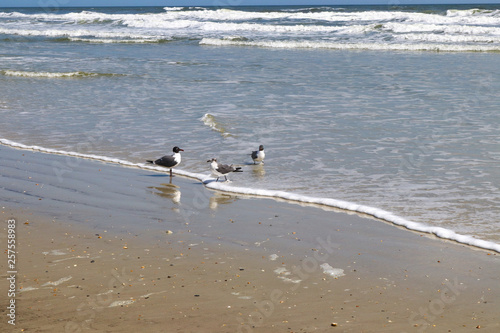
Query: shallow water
408	132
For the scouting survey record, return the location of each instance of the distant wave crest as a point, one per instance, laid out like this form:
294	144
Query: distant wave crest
53	75
453	30
352	46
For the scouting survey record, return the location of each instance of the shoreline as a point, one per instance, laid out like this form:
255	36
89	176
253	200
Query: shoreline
335	204
117	249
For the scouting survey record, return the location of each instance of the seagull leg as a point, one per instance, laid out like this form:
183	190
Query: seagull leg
170	172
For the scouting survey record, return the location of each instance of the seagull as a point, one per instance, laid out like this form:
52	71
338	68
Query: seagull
169	161
258	155
222	169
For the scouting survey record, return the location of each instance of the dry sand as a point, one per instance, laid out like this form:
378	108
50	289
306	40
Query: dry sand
112	249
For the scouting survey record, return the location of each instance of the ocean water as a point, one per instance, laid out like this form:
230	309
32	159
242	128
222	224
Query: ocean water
393	111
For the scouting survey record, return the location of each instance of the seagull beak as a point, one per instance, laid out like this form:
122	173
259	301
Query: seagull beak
181	149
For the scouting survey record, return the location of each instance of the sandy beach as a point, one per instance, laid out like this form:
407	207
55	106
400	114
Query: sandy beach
106	248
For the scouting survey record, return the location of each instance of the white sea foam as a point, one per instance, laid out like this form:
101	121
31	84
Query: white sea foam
473	16
450	30
334	16
456	31
284	274
173	8
209	182
353	46
333	272
49	74
55	253
121	303
121	40
273	257
435	38
82	34
28	289
58	282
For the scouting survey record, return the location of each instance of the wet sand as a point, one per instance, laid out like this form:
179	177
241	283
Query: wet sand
107	248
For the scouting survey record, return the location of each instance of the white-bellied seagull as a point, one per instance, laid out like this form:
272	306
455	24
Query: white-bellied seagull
222	169
169	161
258	155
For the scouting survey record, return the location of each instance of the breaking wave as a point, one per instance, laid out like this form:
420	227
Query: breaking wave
210	121
53	75
452	30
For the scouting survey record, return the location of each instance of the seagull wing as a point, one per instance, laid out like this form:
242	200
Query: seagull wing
224	168
167	161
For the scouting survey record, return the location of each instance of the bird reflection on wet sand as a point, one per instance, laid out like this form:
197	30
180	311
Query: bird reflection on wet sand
221	199
258	171
169	191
